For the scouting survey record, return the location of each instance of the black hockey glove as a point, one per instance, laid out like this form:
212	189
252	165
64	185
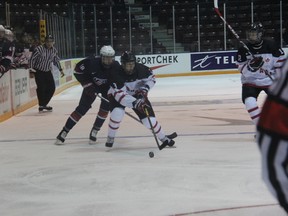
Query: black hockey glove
90	90
140	105
255	64
142	92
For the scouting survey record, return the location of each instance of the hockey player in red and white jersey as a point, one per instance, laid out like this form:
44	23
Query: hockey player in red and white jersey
272	137
258	67
130	88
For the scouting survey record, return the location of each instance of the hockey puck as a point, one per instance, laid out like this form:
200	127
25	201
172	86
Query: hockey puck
151	154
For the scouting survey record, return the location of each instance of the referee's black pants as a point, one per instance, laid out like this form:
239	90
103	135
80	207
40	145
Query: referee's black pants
45	86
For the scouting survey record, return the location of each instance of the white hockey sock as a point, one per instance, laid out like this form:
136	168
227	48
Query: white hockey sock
157	127
253	109
116	117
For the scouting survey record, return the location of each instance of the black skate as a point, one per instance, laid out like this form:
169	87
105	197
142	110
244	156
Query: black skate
171	137
93	136
60	139
45	108
169	142
110	141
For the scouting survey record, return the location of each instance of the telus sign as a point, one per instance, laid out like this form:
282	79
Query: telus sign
213	61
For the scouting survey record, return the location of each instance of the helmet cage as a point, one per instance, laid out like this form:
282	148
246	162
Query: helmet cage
107	54
255	33
128	60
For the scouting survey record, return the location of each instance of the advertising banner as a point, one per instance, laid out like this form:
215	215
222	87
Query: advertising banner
166	63
189	63
213	61
20	87
5	94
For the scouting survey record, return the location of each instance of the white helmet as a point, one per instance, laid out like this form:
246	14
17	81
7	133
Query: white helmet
2	28
107	51
9	35
2	31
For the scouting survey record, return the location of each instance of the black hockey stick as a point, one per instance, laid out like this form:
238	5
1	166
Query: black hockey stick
234	33
153	131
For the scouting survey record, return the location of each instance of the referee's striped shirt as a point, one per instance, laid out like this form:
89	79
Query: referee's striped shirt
42	58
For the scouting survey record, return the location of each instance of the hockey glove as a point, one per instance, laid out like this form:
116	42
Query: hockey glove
255	64
90	90
140	105
142	92
61	72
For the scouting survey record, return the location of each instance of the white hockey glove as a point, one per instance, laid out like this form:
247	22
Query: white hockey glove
255	63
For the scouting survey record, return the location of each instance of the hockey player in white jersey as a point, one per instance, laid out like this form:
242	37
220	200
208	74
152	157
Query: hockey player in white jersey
130	88
258	67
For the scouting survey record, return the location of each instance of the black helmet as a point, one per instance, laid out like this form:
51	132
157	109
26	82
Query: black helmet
127	56
255	33
128	60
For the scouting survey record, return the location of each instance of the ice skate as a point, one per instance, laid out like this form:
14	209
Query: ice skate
172	136
93	136
60	139
110	141
45	109
167	142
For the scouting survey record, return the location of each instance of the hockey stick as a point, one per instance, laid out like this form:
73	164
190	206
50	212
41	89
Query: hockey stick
234	33
153	131
230	28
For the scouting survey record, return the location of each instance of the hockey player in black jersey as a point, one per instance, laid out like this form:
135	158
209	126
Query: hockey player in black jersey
258	67
130	88
93	74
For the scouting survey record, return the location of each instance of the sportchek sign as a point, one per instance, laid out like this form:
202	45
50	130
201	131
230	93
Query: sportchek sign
189	63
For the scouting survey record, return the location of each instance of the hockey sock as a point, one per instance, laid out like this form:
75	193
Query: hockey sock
253	109
72	120
116	117
101	117
157	127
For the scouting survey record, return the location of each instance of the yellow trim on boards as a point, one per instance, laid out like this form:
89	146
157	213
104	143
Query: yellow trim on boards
32	103
199	73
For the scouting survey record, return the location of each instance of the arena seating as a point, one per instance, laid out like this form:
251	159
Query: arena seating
211	29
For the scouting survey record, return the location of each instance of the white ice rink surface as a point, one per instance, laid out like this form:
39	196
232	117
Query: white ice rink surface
215	169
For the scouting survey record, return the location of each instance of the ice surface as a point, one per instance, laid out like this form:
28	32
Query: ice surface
215	169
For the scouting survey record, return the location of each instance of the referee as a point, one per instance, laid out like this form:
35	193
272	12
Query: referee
40	67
